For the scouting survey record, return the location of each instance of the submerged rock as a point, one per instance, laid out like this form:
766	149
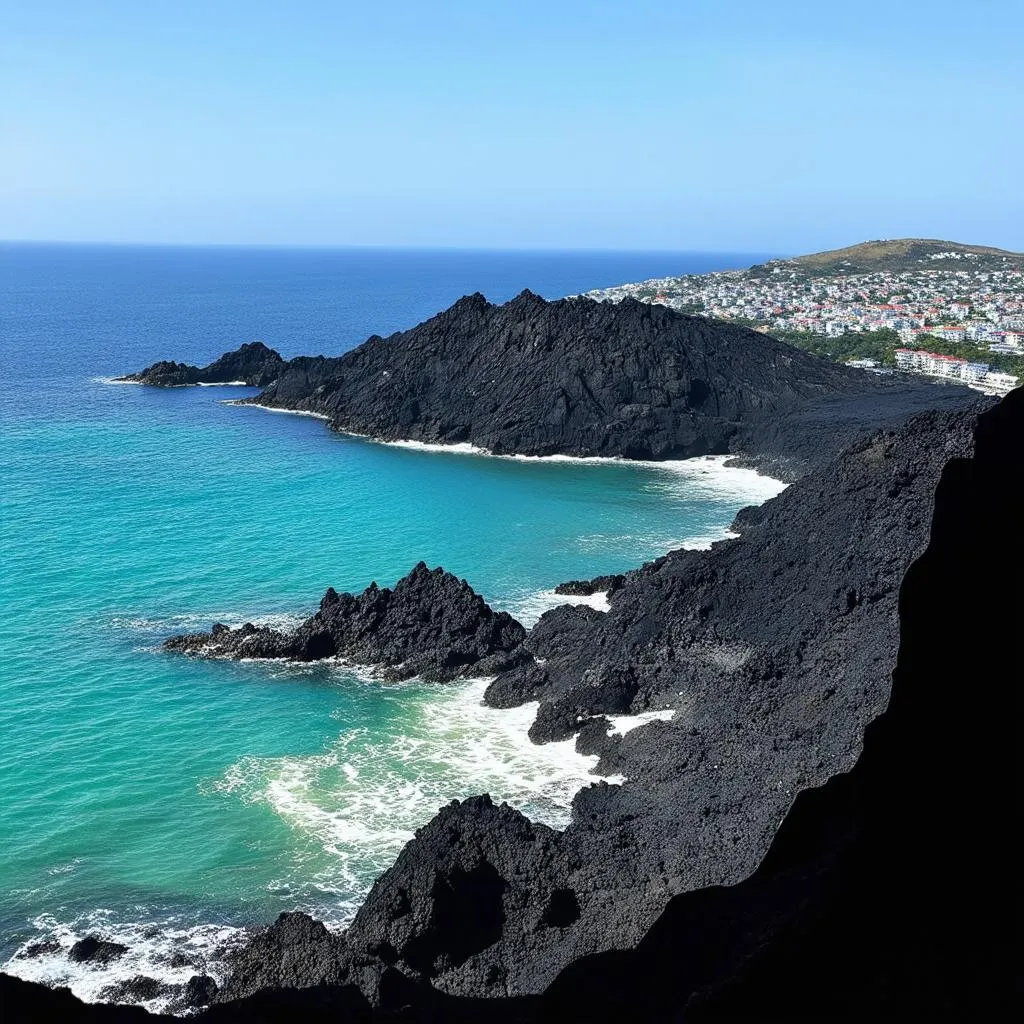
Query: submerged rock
94	950
38	949
587	588
139	989
431	625
253	364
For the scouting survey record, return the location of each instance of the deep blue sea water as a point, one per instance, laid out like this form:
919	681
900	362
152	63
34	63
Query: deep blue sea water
165	800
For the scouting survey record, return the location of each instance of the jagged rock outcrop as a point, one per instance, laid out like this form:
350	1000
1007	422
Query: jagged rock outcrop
200	990
253	364
431	625
294	952
585	378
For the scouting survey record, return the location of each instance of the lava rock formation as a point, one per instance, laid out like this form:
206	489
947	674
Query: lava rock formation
431	625
253	364
585	378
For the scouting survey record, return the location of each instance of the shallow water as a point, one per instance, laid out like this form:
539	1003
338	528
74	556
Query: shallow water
138	788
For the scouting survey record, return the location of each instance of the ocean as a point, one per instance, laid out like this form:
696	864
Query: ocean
167	802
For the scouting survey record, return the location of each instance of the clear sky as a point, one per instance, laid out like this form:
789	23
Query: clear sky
781	126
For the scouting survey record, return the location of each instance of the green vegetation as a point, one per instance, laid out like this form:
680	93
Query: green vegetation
1003	361
882	345
896	255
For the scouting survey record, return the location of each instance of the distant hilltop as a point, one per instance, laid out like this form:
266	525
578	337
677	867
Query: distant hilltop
899	254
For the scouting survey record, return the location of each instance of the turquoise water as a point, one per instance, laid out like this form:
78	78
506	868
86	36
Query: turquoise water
171	800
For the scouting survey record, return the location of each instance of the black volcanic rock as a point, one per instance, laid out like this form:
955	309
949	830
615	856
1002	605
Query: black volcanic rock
585	588
200	990
139	989
431	624
94	950
252	363
872	903
749	608
294	952
773	651
585	378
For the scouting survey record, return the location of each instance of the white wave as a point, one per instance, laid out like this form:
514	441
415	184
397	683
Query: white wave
65	869
154	948
363	798
530	608
202	621
224	384
703	542
621	724
271	408
460	448
708	476
702	475
112	380
710	471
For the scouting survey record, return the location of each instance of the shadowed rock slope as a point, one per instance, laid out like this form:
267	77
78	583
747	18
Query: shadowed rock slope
431	625
585	378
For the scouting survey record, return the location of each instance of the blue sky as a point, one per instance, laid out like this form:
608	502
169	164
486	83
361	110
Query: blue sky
787	126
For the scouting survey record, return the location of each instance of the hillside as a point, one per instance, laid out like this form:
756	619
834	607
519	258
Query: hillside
901	254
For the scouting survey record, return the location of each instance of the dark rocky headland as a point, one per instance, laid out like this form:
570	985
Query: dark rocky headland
253	364
583	378
819	830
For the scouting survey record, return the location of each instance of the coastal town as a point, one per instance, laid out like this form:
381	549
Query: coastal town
957	315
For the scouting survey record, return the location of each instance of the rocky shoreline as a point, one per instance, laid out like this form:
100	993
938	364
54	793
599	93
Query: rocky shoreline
771	675
864	902
768	657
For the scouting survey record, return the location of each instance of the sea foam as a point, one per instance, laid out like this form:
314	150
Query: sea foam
165	948
363	797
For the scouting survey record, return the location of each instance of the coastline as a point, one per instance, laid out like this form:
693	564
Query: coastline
695	466
152	943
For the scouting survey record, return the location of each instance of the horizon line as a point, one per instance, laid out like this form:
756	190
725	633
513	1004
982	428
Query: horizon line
383	247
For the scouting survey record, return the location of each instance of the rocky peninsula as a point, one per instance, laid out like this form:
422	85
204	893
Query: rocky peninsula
583	378
252	364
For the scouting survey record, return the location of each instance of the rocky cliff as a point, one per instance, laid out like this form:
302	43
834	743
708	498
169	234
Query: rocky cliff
768	654
585	378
